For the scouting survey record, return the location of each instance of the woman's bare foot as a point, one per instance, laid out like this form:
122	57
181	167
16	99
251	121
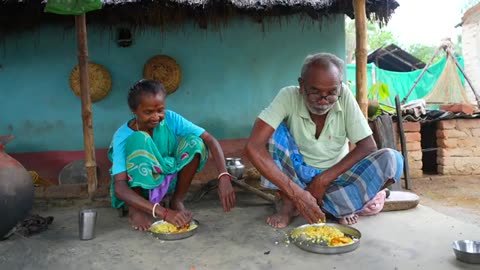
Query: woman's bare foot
284	216
138	219
348	220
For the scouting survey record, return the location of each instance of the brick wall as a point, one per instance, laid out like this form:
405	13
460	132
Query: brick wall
414	147
459	147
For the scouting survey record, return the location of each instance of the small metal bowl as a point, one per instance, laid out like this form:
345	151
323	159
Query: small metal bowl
467	251
174	236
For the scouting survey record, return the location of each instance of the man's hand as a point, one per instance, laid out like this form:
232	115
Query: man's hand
226	193
317	188
308	208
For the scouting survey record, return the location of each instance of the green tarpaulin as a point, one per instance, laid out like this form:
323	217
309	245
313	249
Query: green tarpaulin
401	82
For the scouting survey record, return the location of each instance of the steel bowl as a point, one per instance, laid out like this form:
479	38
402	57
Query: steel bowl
323	248
174	236
467	251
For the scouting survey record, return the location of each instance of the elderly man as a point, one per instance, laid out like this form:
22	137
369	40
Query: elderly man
299	144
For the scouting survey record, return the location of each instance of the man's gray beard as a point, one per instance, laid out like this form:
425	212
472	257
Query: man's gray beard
320	111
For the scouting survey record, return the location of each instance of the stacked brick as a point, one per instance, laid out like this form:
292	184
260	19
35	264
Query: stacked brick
413	140
458	147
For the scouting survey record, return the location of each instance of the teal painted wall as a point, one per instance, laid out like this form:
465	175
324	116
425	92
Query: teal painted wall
228	77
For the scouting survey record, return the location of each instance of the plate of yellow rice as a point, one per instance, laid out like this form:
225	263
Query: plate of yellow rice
167	231
326	238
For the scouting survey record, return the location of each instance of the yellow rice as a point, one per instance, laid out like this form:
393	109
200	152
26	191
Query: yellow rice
168	228
317	234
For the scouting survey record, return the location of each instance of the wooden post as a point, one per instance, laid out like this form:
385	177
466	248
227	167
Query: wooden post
90	163
361	54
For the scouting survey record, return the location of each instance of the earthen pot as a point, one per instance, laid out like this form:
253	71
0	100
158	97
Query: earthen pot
16	190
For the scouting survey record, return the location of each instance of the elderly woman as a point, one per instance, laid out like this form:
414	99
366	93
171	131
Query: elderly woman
158	152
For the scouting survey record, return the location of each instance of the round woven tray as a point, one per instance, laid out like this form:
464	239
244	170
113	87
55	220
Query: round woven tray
164	69
99	80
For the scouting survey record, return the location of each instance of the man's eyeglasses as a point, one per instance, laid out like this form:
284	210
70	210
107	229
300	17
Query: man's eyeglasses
315	96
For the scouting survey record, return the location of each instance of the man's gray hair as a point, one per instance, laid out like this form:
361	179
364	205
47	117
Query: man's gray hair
323	60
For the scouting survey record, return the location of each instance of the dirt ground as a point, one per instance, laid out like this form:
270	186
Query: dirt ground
457	196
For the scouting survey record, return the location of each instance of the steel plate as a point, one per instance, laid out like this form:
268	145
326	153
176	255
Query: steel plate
323	248
174	236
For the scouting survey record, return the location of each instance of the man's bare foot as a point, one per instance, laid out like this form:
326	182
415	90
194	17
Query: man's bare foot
348	220
280	220
375	205
138	220
284	216
177	205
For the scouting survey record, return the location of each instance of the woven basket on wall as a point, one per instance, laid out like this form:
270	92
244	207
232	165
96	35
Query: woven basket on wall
99	79
164	69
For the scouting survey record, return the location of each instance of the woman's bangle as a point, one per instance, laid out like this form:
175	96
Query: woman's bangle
165	214
225	173
153	210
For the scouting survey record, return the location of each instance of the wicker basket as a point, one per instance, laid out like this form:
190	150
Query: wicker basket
100	81
164	69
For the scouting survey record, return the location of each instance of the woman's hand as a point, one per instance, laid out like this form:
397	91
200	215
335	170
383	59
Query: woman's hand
226	193
225	189
178	218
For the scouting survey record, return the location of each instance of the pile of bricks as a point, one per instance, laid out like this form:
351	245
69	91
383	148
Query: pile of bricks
458	147
413	140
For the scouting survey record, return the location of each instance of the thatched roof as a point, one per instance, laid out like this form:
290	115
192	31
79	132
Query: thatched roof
18	15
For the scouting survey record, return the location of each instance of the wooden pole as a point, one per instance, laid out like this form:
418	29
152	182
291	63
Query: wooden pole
361	54
90	163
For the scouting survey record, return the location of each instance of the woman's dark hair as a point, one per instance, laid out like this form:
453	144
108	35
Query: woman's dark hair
143	87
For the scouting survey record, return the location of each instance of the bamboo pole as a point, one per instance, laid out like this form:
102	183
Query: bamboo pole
361	54
477	97
403	142
90	163
404	100
247	187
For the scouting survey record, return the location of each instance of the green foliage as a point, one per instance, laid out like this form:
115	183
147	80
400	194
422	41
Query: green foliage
379	37
424	52
379	91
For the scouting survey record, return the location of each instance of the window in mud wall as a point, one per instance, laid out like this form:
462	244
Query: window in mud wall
429	147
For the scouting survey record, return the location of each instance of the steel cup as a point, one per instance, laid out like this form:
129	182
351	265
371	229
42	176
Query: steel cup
86	224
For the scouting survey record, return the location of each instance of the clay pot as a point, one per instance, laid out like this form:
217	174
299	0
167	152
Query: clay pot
16	190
